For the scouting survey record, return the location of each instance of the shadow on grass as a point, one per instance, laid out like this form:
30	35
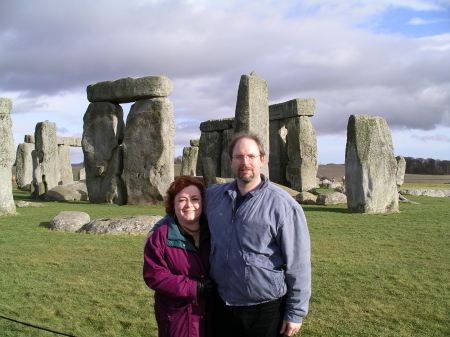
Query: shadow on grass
45	224
324	209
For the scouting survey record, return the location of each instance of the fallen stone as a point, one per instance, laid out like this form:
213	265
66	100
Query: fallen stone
306	198
22	203
331	198
69	221
139	224
340	189
426	192
76	190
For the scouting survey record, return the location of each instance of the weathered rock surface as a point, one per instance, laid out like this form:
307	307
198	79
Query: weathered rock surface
293	108
76	190
140	224
252	111
24	166
427	192
370	166
148	163
306	198
69	221
7	157
103	132
302	163
331	198
130	89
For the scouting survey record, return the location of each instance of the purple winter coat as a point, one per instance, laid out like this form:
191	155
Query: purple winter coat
172	264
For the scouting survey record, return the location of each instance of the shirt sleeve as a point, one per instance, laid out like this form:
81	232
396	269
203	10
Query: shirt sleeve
296	244
157	274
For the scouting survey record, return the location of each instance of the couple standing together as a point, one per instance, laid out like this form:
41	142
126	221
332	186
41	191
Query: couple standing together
232	260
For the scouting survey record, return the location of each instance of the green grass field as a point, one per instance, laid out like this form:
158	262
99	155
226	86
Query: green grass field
373	275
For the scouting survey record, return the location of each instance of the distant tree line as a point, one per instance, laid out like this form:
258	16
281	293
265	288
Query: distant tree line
427	166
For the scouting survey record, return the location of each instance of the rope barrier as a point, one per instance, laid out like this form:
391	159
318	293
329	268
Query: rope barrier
37	327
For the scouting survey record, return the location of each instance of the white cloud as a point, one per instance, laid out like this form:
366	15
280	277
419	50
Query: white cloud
52	50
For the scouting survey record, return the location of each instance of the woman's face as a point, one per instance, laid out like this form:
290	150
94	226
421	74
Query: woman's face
188	205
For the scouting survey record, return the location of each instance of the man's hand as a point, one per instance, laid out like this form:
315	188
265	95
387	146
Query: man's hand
289	328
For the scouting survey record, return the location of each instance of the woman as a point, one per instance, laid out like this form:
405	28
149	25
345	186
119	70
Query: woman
176	263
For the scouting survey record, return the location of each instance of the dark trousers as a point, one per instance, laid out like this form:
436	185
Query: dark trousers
261	320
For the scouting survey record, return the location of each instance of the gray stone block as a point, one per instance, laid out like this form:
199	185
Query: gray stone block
370	166
293	108
148	163
130	89
217	125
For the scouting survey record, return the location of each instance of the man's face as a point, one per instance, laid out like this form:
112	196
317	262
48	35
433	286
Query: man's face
243	166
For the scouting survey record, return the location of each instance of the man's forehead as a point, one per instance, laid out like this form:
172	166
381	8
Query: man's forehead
246	144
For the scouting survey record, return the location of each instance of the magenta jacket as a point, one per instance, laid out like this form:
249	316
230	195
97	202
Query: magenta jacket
172	264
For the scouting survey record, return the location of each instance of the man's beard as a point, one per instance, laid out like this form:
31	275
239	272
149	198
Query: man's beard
246	177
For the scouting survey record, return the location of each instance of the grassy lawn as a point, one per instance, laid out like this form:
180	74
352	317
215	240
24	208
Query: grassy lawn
373	275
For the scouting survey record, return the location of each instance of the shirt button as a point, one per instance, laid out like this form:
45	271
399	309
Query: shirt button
193	301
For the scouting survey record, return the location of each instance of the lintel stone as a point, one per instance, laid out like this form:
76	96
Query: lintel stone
217	124
130	89
293	108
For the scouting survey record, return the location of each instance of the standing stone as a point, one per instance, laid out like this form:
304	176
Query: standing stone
149	151
7	156
82	174
24	166
301	170
208	169
47	154
211	147
225	168
189	163
65	166
370	166
252	111
401	169
103	132
278	152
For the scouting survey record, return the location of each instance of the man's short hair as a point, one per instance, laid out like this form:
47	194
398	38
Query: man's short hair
245	134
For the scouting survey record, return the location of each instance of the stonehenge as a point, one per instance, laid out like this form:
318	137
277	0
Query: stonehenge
7	157
54	149
133	164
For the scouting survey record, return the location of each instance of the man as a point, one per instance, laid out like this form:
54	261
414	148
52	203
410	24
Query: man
260	249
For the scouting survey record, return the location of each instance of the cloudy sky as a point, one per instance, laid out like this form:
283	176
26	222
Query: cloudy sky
377	57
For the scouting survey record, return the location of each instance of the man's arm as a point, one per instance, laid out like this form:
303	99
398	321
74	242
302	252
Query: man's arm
296	246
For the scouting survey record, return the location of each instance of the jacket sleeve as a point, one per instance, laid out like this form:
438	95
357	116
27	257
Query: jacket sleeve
296	245
157	274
